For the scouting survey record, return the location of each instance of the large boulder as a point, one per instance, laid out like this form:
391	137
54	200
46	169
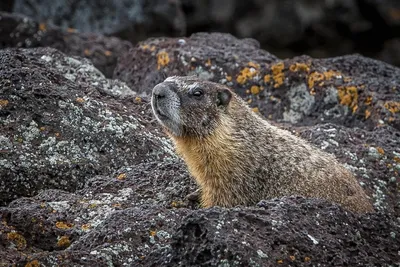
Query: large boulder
132	20
88	178
22	31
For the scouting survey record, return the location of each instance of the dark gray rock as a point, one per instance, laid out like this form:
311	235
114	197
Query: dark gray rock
23	32
62	122
312	27
109	190
350	90
133	20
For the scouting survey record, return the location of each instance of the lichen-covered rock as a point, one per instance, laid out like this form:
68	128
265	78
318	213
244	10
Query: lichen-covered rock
87	177
62	122
350	90
23	32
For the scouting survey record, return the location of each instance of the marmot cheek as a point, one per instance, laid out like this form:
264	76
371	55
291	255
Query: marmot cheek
206	120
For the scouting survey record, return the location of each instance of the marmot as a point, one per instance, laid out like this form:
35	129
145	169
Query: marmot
238	158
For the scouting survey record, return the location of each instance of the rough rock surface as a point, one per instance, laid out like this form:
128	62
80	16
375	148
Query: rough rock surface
88	178
21	31
58	129
350	90
312	27
133	20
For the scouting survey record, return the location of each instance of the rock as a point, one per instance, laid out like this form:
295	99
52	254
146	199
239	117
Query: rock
283	231
63	122
21	31
291	230
346	90
315	28
132	20
209	55
89	179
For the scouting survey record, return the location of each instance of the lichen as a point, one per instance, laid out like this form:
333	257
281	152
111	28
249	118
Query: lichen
162	59
278	74
348	96
64	225
255	89
17	239
33	263
63	241
3	103
299	67
392	107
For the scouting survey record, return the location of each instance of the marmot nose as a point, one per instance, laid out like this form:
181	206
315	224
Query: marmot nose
161	90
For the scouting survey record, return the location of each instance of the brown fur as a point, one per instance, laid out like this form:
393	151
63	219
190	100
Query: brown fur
243	159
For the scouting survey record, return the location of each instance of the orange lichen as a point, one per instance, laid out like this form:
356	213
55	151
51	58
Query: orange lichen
249	101
42	128
312	91
63	241
64	225
277	74
121	176
162	59
42	27
87	52
148	47
299	67
307	259
397	159
319	78
107	53
314	78
253	65
86	226
208	63
57	134
331	74
392	106
279	261
380	150
80	100
17	239
138	99
34	263
255	109
255	89
245	74
3	103
228	78
267	78
292	257
368	101
153	233
348	95
71	30
367	114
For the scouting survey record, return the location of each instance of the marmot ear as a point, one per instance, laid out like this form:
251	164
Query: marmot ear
224	97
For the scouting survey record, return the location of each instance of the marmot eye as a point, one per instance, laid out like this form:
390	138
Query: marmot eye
197	92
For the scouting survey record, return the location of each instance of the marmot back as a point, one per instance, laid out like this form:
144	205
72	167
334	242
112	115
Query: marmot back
238	158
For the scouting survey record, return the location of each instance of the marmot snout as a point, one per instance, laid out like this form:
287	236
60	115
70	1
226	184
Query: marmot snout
238	158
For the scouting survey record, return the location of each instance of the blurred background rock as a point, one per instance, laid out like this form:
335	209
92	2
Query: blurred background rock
286	28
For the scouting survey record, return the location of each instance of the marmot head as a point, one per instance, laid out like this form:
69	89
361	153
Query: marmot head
188	106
